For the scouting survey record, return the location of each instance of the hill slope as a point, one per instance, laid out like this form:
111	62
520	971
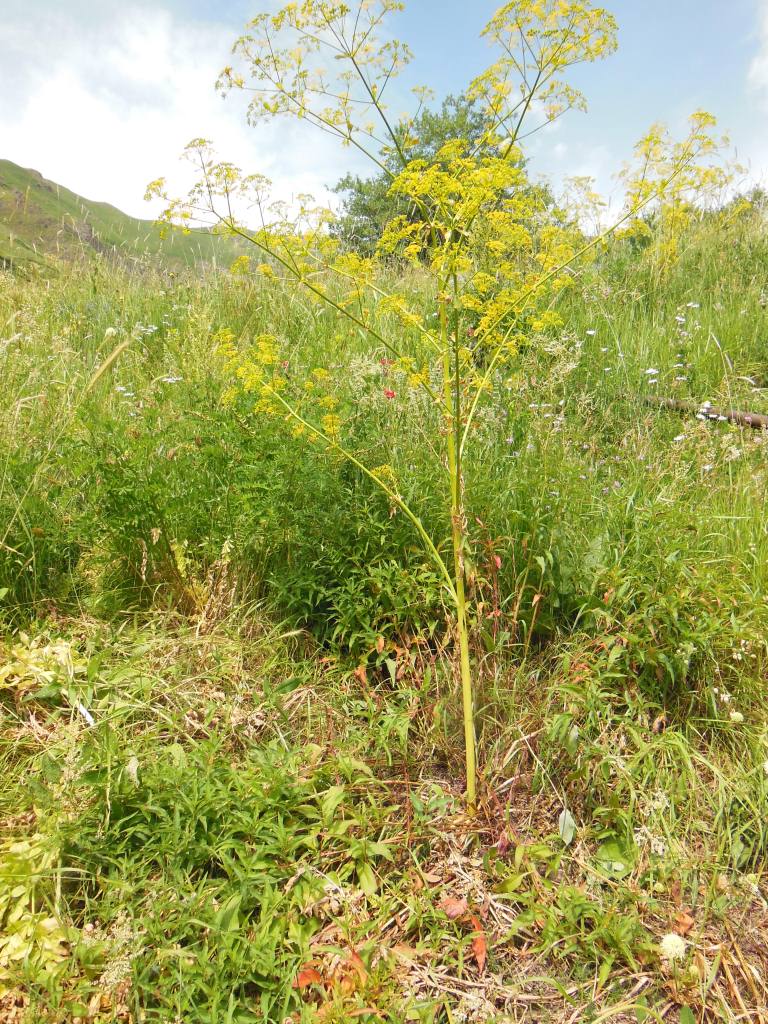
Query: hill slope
40	220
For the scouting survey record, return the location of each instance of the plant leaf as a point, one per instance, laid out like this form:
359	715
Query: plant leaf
307	976
479	945
453	908
683	923
566	826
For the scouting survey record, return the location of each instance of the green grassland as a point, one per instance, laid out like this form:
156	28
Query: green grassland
42	223
231	728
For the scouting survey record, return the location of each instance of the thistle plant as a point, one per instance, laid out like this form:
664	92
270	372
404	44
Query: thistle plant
493	253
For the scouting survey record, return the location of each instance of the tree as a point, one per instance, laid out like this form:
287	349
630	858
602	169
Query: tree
368	205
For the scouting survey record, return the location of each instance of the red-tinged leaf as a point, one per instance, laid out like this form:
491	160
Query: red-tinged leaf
380	644
453	908
504	843
351	974
307	976
361	674
497	560
479	945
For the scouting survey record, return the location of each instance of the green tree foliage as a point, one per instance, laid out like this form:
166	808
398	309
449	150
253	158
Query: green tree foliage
368	205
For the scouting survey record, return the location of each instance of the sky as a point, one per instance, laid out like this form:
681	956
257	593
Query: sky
101	96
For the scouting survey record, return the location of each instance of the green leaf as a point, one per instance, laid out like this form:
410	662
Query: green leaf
511	883
604	973
687	1015
330	801
367	878
566	826
614	860
227	918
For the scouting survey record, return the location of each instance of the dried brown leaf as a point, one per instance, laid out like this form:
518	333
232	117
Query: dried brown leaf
453	908
683	923
659	724
479	945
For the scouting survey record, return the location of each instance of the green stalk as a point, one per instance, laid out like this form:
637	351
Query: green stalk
452	401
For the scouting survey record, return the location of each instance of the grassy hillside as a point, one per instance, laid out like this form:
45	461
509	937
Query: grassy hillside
230	726
41	221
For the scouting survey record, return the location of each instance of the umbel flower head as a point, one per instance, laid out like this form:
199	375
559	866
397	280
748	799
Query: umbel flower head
672	947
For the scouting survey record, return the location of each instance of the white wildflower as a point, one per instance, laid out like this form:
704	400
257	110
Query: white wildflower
736	717
132	770
672	947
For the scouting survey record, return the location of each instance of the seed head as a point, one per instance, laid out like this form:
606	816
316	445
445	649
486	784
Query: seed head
672	947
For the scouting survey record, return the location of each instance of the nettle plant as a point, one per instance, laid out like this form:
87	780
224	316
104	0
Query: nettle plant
487	247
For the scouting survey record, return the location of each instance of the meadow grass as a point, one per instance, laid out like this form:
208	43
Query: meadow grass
231	728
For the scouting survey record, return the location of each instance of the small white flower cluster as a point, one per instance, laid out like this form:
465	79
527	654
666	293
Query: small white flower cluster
672	947
682	320
725	698
659	801
744	651
144	330
644	837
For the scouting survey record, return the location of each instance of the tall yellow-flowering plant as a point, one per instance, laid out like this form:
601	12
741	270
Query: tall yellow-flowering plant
476	227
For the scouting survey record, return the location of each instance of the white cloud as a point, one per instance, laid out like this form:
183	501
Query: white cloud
119	97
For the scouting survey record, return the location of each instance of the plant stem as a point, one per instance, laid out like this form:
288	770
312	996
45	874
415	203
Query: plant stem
452	403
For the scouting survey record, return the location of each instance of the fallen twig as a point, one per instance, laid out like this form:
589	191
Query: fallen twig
705	411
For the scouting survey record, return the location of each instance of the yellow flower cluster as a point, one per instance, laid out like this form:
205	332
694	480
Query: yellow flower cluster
675	179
